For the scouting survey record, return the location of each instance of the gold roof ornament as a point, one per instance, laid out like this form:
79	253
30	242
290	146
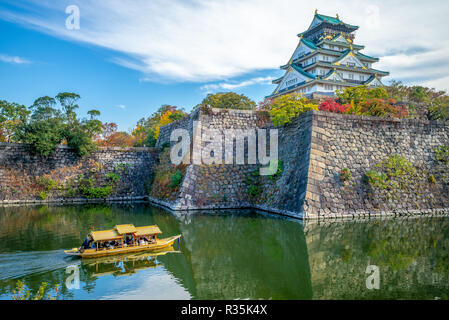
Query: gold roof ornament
316	11
338	17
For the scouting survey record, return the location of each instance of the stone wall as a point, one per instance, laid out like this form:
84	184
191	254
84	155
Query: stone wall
359	144
314	148
20	172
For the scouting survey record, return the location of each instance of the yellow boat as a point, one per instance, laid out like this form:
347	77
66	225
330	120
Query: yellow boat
122	239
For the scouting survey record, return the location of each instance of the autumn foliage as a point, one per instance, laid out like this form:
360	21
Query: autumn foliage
330	105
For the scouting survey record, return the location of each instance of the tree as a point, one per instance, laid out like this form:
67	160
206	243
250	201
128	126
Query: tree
360	93
68	102
147	130
119	139
43	108
286	107
107	129
229	100
163	120
11	115
42	135
50	126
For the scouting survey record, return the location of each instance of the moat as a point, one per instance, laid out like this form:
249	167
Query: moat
227	255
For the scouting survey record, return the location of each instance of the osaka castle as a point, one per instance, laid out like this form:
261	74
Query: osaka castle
327	59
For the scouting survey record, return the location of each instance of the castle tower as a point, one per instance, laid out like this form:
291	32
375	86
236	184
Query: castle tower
326	59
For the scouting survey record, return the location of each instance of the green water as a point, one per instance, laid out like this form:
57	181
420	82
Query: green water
226	255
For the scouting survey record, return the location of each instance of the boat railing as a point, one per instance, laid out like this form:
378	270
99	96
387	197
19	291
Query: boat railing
125	246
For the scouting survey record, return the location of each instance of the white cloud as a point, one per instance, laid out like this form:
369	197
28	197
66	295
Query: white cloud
235	85
13	59
211	40
121	106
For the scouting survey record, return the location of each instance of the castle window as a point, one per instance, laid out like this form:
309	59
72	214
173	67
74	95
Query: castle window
351	76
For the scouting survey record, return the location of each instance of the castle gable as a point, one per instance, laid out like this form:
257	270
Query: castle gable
293	77
300	51
350	60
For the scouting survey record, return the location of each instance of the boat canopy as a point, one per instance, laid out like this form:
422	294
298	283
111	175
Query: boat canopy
120	230
125	228
144	231
105	235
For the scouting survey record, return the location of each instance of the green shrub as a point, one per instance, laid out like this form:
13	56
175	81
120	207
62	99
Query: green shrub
345	174
176	179
43	195
279	171
438	112
97	192
228	100
360	94
112	177
80	140
376	179
431	179
442	154
286	107
47	183
393	173
254	191
123	168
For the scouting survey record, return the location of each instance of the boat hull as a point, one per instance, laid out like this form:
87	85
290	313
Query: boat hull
93	253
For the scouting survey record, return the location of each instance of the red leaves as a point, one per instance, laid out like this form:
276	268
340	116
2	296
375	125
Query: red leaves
330	105
372	107
384	108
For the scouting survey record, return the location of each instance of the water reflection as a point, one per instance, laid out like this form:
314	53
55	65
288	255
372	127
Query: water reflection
226	255
125	264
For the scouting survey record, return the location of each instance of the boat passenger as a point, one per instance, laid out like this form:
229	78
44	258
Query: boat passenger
85	244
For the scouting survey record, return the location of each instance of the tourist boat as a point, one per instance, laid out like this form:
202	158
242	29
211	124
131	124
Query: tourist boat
125	238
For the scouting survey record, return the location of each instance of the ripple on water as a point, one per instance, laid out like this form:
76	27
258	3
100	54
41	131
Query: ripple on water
20	264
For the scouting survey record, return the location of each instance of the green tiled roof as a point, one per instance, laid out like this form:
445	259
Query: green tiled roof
343	54
380	71
331	72
361	55
328	18
333	20
309	43
301	71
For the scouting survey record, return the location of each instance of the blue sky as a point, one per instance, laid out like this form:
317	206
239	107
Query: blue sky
130	57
